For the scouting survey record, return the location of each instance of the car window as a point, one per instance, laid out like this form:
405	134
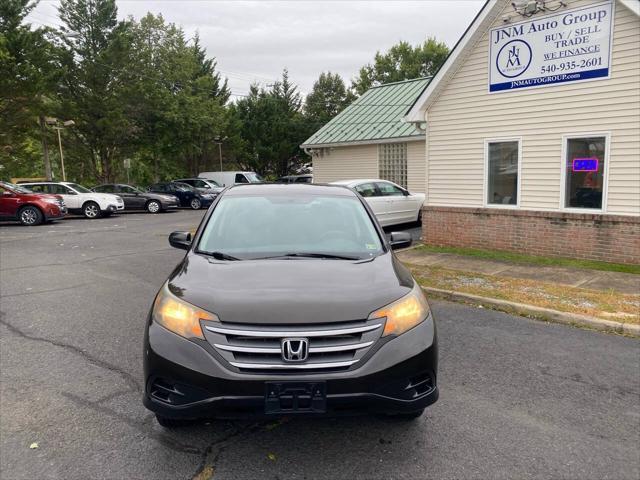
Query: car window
240	178
337	225
79	188
38	188
389	190
157	188
59	189
127	189
199	184
367	190
188	182
105	189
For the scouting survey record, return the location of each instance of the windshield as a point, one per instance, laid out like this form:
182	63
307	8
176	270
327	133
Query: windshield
257	226
78	188
15	188
254	177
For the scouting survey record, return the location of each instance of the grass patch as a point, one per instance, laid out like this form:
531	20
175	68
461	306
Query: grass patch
607	305
533	260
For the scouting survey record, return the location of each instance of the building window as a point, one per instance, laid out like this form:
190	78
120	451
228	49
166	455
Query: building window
503	161
392	163
584	172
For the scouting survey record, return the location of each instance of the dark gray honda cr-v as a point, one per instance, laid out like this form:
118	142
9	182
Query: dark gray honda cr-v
289	301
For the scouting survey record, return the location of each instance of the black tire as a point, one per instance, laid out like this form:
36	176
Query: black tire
153	206
30	216
408	416
195	204
171	422
91	210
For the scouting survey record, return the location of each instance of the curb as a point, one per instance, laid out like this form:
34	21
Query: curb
541	313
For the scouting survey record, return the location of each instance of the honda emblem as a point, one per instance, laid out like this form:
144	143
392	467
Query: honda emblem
295	349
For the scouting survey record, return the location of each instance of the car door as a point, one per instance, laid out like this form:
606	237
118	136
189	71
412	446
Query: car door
9	203
132	199
71	199
182	196
374	198
400	208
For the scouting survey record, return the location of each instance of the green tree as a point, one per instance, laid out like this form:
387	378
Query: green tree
328	97
94	67
271	127
26	85
402	62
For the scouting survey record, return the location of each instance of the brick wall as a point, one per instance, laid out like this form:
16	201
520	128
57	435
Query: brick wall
610	238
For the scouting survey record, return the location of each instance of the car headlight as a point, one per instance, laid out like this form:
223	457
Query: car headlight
179	316
53	201
405	313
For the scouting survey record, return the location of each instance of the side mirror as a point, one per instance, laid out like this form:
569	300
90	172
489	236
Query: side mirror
400	240
406	193
181	240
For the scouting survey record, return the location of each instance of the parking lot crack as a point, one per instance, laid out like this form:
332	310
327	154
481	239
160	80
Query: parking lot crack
35	292
138	425
206	469
130	379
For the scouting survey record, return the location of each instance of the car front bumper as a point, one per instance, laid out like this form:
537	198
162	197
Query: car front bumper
400	377
115	208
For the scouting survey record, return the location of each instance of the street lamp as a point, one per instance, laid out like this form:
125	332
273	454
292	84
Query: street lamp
60	125
218	141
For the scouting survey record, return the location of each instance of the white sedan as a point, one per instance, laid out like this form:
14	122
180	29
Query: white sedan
391	203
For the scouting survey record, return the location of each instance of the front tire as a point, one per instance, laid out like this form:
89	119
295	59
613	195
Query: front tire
195	204
30	216
408	416
91	210
171	423
154	206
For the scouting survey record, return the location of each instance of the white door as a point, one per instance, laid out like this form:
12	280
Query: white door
375	200
71	198
400	206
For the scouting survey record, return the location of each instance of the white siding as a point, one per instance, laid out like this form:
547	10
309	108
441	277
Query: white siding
416	166
361	161
344	163
465	114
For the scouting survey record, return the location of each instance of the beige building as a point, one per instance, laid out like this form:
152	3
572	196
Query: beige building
533	132
370	139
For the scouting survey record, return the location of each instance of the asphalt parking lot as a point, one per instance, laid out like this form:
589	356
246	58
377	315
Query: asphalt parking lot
519	398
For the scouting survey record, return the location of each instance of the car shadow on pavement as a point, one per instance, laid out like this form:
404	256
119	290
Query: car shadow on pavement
323	447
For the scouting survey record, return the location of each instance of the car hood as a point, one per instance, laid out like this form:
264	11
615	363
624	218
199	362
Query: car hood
300	291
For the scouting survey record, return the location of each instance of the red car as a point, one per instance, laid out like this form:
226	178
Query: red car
27	207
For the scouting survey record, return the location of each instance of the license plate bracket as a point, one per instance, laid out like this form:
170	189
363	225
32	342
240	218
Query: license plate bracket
295	397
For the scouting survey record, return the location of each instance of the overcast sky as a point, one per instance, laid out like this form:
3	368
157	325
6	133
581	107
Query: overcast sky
254	41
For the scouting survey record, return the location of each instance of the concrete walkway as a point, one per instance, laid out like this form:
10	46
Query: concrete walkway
573	277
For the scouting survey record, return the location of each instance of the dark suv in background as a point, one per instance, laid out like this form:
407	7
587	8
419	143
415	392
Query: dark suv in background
136	199
186	194
29	208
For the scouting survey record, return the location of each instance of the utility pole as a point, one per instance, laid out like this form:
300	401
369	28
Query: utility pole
45	149
64	175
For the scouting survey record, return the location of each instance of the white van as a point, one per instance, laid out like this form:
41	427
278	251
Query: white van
227	179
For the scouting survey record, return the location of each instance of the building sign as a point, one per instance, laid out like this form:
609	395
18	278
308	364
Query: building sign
568	46
585	165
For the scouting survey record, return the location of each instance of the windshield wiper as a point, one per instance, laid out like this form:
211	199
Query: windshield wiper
219	255
310	255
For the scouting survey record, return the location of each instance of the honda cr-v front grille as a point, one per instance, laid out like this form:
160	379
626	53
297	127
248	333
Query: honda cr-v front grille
262	348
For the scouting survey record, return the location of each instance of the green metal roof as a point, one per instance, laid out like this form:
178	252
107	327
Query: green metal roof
376	115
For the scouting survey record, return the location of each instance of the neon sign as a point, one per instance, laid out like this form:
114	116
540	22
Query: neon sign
585	165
